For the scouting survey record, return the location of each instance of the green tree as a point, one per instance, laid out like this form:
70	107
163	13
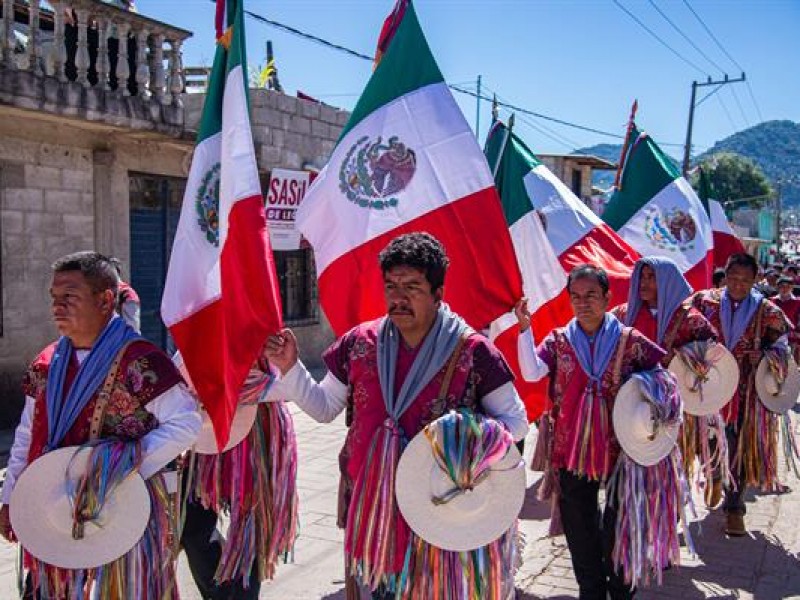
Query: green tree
735	177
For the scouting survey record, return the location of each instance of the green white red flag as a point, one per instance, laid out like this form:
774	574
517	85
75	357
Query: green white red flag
726	242
657	212
221	298
553	232
407	161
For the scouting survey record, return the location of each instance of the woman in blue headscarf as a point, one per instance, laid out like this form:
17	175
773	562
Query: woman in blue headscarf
658	306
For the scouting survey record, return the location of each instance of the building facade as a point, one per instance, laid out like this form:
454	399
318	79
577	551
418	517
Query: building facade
96	136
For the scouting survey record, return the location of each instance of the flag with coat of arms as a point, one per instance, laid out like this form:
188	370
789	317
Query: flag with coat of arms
221	298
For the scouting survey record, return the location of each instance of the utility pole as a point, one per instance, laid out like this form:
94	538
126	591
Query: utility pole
478	110
687	149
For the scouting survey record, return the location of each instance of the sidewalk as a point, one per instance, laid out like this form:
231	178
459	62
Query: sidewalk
763	565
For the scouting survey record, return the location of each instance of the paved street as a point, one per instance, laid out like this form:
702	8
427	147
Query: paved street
763	565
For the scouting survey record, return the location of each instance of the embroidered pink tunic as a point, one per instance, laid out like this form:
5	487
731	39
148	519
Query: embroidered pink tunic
568	382
353	360
144	374
693	327
773	325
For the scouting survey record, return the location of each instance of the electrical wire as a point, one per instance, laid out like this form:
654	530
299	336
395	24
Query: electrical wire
686	37
739	104
658	38
726	53
455	87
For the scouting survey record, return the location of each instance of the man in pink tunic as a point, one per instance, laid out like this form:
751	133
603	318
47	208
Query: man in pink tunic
587	362
749	324
390	376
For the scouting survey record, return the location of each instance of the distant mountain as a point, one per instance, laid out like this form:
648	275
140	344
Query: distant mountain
773	145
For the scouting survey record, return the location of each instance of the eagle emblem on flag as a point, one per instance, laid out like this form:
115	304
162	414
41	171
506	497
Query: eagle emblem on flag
374	172
674	230
207	204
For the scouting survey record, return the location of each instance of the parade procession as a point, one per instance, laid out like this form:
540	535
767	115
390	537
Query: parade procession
375	353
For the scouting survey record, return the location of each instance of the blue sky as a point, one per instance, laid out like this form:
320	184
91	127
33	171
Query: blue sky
579	60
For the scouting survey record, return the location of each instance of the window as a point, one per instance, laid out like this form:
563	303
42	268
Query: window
298	282
576	183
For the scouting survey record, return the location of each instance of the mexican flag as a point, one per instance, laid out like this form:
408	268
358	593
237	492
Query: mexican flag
543	278
221	298
657	212
407	161
553	232
576	234
726	242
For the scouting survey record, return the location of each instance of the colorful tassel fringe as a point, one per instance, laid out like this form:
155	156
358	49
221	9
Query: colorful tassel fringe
589	451
255	483
649	503
465	446
148	569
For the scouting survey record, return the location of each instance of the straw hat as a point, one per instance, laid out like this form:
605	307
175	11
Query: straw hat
635	427
243	420
778	399
717	390
41	513
470	520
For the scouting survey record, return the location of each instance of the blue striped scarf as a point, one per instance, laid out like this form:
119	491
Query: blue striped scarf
62	412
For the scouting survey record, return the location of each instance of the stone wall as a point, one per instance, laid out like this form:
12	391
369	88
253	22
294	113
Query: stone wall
63	188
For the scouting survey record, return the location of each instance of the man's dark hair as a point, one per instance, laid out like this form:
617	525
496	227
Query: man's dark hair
791	268
785	279
99	271
418	250
588	272
740	259
717	277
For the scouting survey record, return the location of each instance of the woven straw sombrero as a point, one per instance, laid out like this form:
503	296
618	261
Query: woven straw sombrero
243	420
41	513
469	520
777	398
641	439
709	396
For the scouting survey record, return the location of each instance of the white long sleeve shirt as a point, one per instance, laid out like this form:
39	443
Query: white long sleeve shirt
531	366
325	400
178	420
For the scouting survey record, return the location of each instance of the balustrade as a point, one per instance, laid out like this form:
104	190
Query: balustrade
95	45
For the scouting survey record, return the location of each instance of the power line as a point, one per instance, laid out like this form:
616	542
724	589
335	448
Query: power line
753	98
656	36
726	53
308	36
728	113
713	37
454	87
519	109
686	37
540	127
739	104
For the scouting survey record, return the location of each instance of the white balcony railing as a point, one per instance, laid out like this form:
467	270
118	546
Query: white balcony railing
96	45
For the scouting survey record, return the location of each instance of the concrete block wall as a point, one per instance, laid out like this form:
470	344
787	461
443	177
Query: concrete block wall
46	210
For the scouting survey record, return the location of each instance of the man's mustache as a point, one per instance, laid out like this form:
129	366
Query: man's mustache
400	310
